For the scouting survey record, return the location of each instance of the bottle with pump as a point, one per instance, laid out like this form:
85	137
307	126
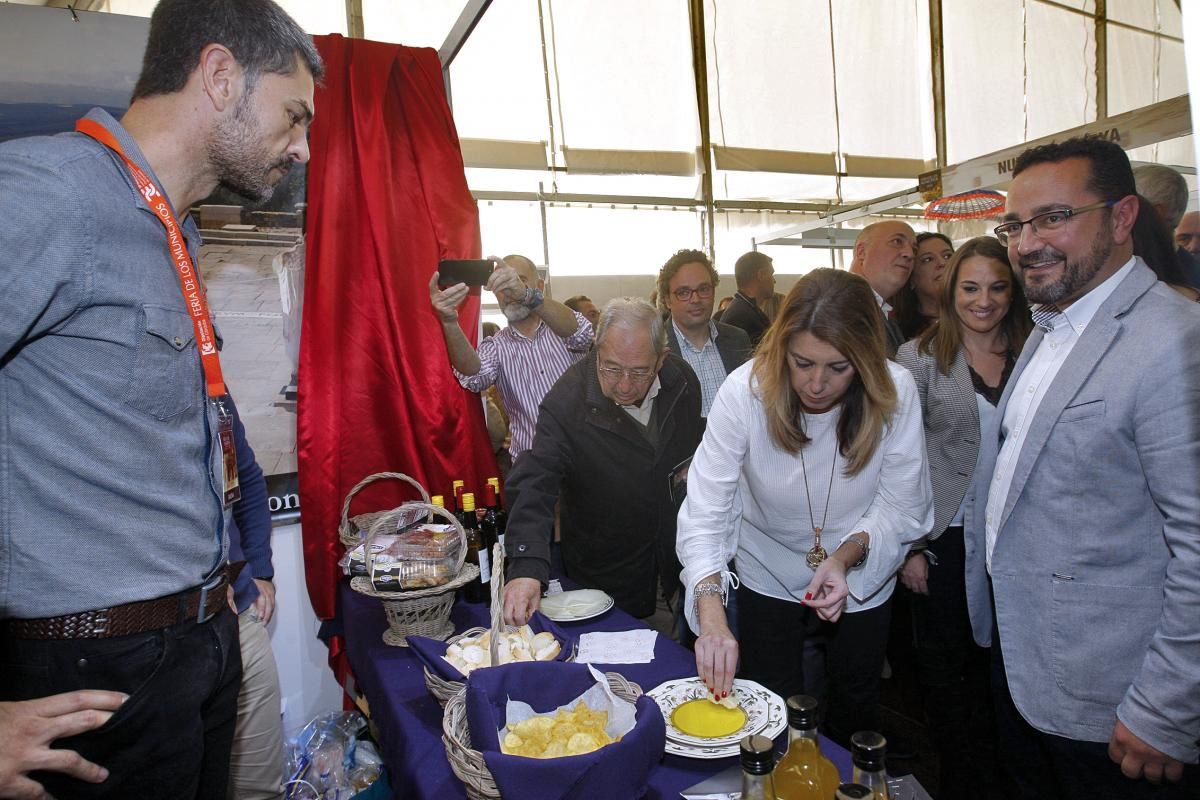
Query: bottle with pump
804	773
479	589
758	760
868	751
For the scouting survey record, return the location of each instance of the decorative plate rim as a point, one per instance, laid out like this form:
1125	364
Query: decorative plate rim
758	719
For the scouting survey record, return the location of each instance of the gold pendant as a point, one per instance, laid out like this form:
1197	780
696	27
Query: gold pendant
816	555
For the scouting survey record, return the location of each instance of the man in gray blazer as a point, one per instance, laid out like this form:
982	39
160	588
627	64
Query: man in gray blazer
1085	525
686	289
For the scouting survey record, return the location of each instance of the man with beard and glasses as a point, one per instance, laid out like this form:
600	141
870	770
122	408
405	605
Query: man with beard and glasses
542	339
119	469
1083	545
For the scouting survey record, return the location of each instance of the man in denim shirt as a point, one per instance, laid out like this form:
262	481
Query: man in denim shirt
112	516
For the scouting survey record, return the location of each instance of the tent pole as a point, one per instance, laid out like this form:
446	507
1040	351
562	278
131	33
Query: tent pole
937	55
700	73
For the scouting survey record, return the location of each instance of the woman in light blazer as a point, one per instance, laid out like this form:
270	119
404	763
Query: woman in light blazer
961	365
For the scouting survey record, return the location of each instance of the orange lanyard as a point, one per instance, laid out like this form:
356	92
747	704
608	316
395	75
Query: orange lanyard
189	279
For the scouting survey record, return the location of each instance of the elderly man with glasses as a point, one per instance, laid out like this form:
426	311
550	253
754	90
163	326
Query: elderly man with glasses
613	439
686	288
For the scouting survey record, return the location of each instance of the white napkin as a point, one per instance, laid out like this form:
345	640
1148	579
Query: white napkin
620	647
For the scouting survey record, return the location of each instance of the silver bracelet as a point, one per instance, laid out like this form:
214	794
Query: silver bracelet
863	548
703	589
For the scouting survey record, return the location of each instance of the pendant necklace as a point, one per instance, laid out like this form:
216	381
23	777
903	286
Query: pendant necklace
816	553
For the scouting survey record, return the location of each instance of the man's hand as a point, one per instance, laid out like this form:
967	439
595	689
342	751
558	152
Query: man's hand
915	573
506	284
446	303
264	604
27	729
521	599
827	591
1138	759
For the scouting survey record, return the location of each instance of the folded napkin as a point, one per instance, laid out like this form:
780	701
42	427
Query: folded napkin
431	651
619	647
620	769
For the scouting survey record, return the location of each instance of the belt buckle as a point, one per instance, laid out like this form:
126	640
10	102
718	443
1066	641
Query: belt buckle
216	582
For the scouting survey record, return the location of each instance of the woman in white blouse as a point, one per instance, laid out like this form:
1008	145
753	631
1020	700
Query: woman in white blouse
812	480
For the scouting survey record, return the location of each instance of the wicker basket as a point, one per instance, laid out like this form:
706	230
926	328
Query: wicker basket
351	528
417	612
443	689
468	764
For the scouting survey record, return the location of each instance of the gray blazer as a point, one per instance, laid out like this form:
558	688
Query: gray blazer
951	416
733	344
1096	569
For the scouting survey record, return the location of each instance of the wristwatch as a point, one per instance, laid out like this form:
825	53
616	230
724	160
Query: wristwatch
533	298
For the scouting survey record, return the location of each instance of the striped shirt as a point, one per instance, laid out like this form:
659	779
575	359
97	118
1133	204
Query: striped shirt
705	362
524	369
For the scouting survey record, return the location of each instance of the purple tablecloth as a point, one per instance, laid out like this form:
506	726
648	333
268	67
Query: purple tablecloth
409	719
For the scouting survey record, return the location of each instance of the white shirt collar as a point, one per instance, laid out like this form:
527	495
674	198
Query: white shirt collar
712	334
1081	312
642	413
884	306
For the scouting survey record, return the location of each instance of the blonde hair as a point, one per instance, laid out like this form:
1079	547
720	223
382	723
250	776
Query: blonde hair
839	309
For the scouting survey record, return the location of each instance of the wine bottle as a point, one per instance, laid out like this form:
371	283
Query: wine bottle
868	751
456	488
804	773
479	588
501	514
758	759
487	525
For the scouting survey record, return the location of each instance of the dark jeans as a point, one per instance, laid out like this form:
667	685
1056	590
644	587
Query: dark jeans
1039	765
772	634
172	737
953	672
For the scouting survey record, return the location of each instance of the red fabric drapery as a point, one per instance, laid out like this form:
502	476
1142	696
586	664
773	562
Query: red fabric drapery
387	198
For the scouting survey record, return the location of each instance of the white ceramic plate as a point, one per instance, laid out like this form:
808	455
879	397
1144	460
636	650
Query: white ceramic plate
766	715
673	694
576	605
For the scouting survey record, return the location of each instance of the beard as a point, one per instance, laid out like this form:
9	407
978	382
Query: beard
1075	275
242	163
515	312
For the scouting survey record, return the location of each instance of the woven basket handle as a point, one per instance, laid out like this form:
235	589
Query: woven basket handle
367	481
497	599
389	520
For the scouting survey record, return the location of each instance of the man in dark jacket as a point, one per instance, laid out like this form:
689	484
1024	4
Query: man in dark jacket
686	288
755	276
611	435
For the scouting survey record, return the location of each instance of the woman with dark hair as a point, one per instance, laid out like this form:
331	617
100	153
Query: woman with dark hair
917	303
811	479
1152	241
961	366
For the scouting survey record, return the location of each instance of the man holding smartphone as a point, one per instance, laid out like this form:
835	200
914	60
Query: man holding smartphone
524	360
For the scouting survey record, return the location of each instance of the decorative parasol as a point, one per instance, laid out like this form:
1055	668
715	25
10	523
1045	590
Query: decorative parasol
974	204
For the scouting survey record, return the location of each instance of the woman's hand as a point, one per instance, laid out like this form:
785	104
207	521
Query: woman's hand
827	591
915	573
716	649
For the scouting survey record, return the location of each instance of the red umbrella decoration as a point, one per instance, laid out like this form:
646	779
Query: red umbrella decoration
974	204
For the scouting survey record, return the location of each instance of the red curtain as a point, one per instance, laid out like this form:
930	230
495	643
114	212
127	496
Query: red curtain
387	198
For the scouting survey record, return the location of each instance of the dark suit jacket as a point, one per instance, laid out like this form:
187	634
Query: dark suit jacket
618	516
732	343
743	313
1189	266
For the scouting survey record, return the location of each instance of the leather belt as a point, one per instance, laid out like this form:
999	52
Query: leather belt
198	605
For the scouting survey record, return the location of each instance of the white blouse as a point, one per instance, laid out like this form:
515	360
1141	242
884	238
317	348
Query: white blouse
746	498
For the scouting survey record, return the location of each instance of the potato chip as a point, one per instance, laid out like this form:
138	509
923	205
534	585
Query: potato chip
569	732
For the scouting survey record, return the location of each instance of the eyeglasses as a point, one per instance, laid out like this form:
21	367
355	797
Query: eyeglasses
1049	222
634	375
684	293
